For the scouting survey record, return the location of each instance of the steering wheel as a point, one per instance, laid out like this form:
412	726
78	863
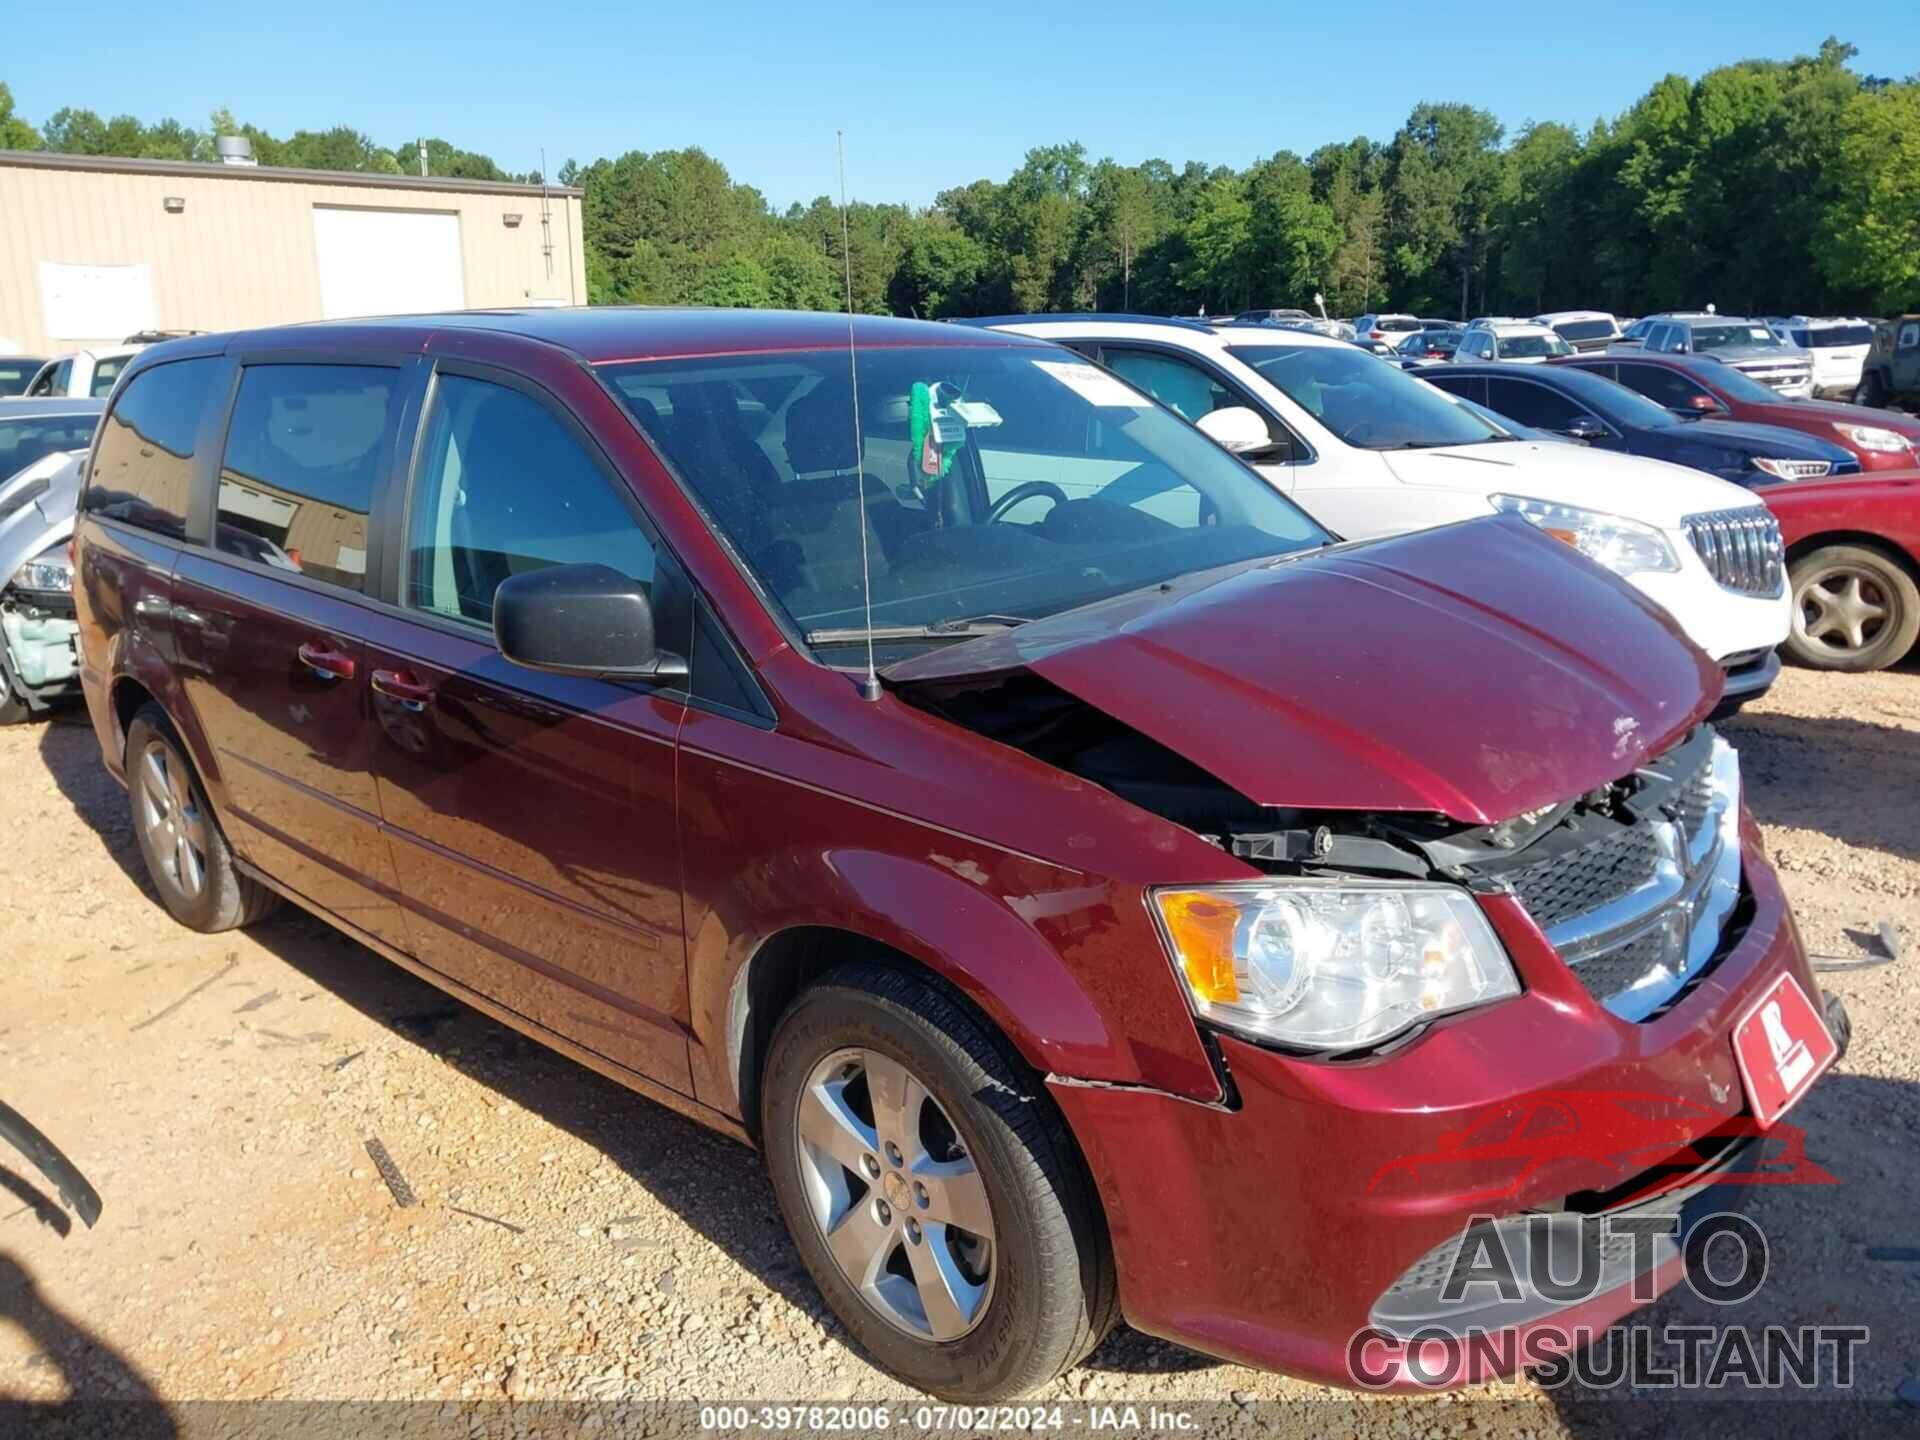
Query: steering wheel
1026	490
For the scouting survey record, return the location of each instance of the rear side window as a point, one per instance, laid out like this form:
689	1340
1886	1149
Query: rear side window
504	488
1531	404
1665	387
105	373
304	452
143	469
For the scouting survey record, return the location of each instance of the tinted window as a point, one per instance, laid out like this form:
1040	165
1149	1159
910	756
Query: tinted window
1668	388
505	488
1830	336
1724	337
26	440
1531	404
16	375
143	469
1586	329
304	451
1909	335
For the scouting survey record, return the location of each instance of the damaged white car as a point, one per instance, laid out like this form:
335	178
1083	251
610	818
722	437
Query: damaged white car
42	451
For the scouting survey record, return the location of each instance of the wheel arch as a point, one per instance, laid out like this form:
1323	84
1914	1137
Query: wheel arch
1806	545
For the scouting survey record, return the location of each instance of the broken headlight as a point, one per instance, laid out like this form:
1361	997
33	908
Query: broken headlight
1332	965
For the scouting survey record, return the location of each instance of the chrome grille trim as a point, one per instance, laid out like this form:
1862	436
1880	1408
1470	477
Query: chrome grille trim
1741	549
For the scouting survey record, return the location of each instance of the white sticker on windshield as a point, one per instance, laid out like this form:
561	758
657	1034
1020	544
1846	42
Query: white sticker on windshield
1093	385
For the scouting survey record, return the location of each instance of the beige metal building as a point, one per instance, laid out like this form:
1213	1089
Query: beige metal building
94	249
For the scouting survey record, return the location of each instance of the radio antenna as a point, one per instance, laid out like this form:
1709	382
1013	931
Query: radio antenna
870	683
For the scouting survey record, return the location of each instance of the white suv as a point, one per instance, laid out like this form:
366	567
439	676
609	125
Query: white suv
1837	346
1370	450
1521	341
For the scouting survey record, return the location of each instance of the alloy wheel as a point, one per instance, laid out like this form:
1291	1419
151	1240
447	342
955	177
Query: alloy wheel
176	828
899	1201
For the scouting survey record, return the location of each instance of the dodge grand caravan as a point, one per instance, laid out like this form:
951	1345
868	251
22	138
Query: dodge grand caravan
1081	912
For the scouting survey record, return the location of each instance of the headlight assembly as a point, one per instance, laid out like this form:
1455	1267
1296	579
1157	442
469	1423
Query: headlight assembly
1331	965
1626	547
48	573
1873	437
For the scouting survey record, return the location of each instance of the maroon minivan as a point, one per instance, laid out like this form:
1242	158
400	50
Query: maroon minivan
1088	881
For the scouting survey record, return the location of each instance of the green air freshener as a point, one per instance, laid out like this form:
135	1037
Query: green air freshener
935	434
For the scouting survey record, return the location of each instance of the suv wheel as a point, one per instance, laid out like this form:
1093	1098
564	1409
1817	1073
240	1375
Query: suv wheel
1870	391
1853	609
187	856
932	1188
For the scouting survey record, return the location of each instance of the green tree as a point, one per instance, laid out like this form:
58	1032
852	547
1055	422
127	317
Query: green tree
1869	230
15	133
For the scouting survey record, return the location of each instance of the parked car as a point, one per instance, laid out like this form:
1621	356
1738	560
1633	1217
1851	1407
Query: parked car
17	372
1837	348
1891	372
41	445
1853	555
1746	345
82	373
1700	385
1261	317
1430	345
1519	340
1608	416
1582	329
1370	450
1028	969
1384	327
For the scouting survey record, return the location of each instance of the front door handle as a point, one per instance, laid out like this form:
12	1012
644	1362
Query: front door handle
403	686
323	659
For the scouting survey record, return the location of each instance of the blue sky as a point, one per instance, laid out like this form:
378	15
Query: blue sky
929	95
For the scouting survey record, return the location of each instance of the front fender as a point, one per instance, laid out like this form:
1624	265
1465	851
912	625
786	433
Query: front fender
991	925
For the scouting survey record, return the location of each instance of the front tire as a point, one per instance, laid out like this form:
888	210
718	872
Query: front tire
932	1188
1854	609
187	857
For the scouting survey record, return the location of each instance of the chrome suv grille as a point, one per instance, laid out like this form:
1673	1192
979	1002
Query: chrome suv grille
1638	910
1742	548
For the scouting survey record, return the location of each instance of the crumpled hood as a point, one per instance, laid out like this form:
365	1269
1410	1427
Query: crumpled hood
1479	670
38	515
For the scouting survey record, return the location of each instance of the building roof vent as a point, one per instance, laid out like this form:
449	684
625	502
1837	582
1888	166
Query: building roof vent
234	150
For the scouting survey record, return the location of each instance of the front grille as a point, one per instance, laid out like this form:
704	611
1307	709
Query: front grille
1742	548
1779	377
1577	881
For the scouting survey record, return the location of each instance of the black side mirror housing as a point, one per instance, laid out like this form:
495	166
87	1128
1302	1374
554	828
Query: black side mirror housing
1585	427
581	620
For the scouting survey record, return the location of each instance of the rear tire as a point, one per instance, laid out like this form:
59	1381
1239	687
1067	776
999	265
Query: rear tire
1854	609
1870	392
187	857
982	1311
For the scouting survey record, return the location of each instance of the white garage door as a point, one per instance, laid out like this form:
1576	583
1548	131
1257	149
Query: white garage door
387	262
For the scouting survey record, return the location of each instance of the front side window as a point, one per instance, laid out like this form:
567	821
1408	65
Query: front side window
1364	403
504	488
26	440
985	479
1531	404
143	469
1910	335
305	449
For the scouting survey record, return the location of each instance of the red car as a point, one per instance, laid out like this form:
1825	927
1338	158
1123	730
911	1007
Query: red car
943	767
1701	385
1853	562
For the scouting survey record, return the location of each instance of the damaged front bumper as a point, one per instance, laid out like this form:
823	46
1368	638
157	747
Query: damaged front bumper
1271	1230
42	647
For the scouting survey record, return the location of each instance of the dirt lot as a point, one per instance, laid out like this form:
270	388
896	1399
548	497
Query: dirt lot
573	1242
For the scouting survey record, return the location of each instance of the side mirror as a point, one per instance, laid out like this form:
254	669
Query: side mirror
1585	427
1235	428
581	620
1701	404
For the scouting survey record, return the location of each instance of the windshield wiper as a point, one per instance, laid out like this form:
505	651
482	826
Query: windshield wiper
966	628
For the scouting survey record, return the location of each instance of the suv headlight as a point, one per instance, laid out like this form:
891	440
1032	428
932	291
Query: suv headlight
49	572
1872	437
1331	965
1624	546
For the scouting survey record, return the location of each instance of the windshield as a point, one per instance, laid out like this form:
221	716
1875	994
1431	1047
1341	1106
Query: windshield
1391	323
1528	347
1725	337
1586	329
1000	481
1365	403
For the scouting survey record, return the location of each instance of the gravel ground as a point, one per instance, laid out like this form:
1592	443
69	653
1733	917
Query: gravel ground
572	1242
